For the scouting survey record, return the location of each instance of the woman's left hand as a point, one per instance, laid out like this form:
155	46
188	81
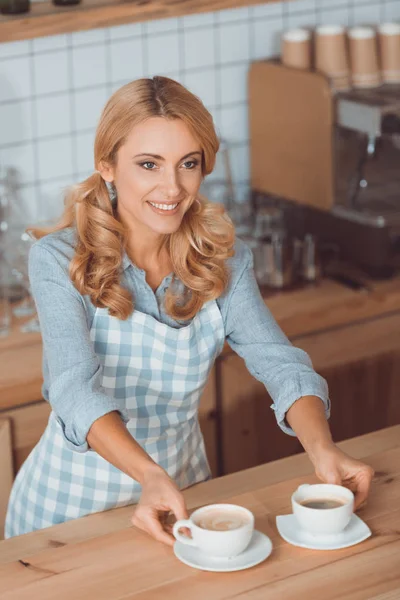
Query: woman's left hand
334	466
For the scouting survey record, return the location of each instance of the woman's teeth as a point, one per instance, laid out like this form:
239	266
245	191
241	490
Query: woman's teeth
164	206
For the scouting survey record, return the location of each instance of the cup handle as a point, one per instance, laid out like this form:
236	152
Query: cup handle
179	536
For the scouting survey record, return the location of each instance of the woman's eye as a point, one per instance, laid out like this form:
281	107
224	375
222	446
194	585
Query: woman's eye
148	162
192	164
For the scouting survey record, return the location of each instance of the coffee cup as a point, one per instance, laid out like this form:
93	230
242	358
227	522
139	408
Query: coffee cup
323	508
365	69
222	530
296	48
331	55
389	43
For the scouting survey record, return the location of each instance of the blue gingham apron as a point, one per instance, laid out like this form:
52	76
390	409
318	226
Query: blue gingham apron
157	373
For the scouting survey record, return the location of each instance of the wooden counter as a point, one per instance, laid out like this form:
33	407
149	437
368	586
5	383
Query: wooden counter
301	313
101	557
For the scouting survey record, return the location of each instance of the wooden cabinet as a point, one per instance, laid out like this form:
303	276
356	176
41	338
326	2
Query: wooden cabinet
27	424
361	364
6	469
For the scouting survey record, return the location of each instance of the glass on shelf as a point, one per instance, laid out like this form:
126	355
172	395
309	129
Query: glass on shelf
17	254
237	202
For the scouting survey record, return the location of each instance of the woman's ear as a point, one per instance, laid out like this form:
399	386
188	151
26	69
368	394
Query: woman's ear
106	171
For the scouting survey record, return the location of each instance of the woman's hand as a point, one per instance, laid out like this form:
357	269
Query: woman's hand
160	496
334	466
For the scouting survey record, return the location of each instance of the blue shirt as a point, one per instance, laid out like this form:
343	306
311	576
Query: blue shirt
72	371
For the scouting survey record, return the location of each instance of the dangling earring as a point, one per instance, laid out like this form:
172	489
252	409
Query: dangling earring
112	192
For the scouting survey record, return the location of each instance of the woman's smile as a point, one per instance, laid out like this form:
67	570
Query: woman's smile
167	209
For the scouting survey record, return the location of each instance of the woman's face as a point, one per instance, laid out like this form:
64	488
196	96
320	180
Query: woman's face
158	175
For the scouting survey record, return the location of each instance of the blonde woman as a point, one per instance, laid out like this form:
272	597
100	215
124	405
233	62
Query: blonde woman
137	289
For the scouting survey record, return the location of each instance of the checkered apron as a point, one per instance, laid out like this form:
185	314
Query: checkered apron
157	373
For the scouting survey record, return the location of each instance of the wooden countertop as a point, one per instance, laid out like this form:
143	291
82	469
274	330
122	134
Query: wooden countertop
101	557
303	314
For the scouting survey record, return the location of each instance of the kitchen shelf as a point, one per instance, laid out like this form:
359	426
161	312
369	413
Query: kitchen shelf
46	19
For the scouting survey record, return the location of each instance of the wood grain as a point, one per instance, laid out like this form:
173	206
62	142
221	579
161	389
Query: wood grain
118	561
27	424
46	19
6	469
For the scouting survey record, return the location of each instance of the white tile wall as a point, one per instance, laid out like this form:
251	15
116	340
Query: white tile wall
89	66
366	14
51	72
88	105
52	89
53	115
194	39
202	82
234	42
163	53
15	78
126	57
266	38
55	157
16	122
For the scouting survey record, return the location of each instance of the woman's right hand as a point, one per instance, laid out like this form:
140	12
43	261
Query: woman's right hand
160	496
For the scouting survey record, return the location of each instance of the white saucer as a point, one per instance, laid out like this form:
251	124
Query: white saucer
258	550
356	531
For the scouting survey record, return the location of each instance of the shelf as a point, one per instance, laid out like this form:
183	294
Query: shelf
46	19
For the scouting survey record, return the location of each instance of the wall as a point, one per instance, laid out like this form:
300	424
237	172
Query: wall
52	89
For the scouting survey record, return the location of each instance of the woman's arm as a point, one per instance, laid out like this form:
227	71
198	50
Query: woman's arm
109	437
72	369
308	420
300	395
332	465
253	333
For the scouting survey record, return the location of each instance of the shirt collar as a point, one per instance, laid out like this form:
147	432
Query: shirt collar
125	261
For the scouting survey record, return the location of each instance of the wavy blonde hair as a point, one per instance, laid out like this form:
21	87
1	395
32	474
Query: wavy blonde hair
204	241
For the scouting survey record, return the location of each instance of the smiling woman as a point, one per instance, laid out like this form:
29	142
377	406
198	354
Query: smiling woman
136	293
154	144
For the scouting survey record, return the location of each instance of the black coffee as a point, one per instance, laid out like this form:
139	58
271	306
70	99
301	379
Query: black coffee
323	503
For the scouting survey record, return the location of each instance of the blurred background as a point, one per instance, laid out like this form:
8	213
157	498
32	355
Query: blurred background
308	170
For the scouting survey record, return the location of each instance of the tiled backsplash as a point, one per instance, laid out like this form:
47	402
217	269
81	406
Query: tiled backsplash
52	89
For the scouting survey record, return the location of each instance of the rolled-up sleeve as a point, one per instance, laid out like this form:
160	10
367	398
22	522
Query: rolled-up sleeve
253	333
74	372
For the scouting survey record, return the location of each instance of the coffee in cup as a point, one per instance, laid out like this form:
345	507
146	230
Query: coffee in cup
323	508
222	530
216	519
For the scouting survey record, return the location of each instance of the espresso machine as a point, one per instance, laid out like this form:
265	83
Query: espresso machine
332	160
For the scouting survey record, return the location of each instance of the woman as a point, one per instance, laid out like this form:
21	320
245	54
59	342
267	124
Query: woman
137	289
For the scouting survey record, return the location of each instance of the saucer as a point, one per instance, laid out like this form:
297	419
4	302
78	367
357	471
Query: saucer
258	550
356	531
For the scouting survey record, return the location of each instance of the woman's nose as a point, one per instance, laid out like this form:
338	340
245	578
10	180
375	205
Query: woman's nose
171	184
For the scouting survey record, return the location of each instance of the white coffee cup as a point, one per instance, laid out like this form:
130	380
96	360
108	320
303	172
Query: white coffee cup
222	543
324	521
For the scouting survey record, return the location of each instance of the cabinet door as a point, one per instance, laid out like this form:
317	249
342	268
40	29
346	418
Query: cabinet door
364	395
27	425
250	434
6	470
